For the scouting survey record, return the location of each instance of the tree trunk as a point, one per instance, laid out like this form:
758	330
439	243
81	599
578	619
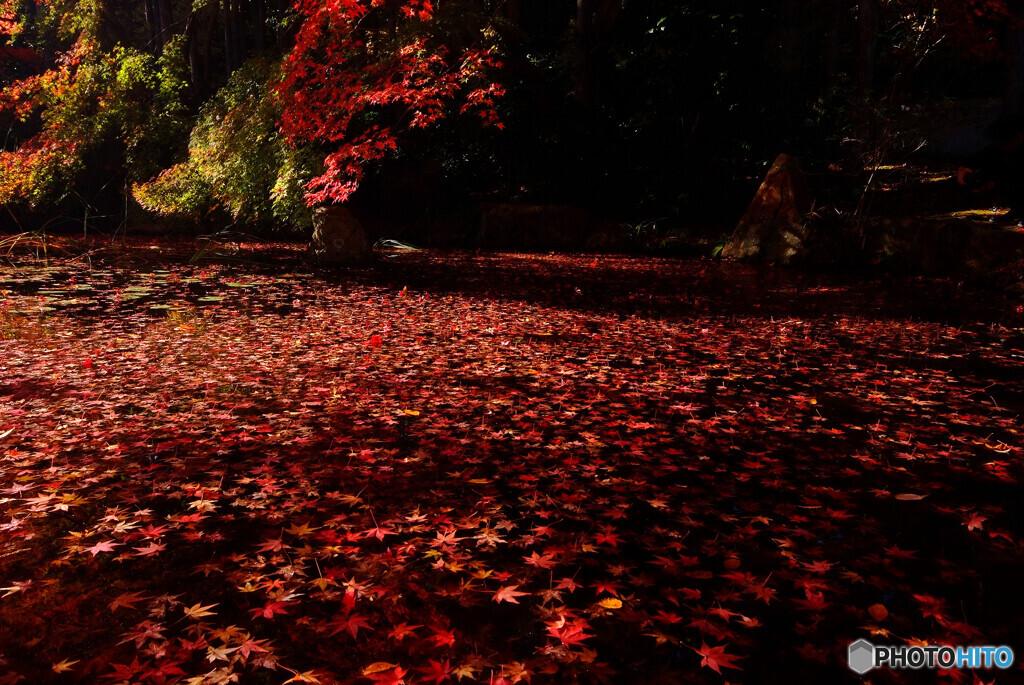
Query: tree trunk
238	16
595	19
234	35
165	23
867	37
585	52
514	11
259	21
789	64
208	51
833	41
151	22
1013	95
229	37
159	24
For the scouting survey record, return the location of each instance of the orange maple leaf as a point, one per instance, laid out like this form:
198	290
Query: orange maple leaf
127	600
508	594
198	611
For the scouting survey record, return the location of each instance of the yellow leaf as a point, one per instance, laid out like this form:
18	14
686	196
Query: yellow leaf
411	412
322	583
197	611
377	667
63	666
301	531
610	603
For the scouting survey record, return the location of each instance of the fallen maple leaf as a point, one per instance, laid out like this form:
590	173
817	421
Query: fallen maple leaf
569	632
152	549
443	637
105	546
198	611
508	594
62	666
465	671
272	545
436	671
378	667
19	586
270	609
127	600
545	561
716	658
567	583
401	631
394	676
667	617
975	521
351	623
251	646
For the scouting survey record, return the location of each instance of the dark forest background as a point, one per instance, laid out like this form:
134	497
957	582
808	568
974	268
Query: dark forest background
632	110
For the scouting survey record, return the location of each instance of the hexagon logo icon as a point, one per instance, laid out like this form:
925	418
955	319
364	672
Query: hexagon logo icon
862	656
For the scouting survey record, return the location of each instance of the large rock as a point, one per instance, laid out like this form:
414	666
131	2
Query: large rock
533	227
775	226
338	238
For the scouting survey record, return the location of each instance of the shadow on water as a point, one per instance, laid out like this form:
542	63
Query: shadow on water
625	286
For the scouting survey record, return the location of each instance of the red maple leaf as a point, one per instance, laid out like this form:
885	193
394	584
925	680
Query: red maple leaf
716	658
567	583
401	631
436	671
975	521
351	624
127	600
270	609
545	561
250	646
443	637
609	586
152	549
569	632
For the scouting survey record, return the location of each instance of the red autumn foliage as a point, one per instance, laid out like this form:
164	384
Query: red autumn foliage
336	74
239	487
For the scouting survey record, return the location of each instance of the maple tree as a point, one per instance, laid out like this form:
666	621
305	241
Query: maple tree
207	111
355	87
349	65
